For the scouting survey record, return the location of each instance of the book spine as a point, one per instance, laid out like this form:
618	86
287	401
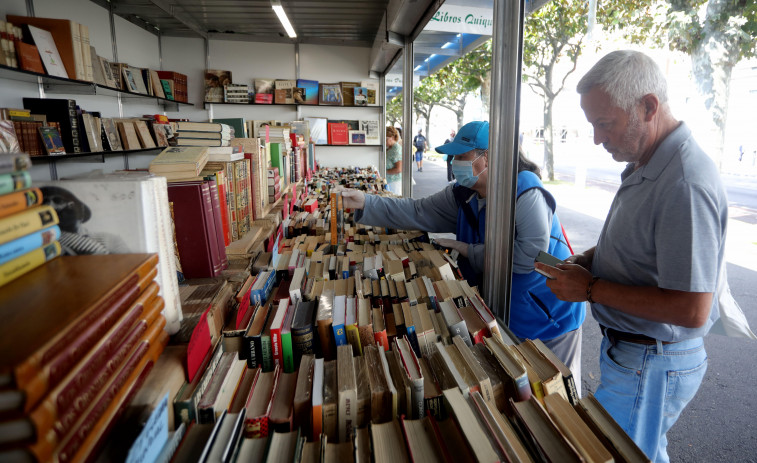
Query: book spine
77	47
18	201
256	427
287	352
460	329
46	367
26	222
15	181
11	162
266	352
218	222
340	338
303	342
69	418
382	339
353	338
210	226
96	426
412	338
570	388
18	247
73	122
276	352
24	264
94	409
224	208
325	336
254	351
435	405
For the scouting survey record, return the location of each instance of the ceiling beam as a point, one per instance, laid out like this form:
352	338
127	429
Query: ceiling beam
180	16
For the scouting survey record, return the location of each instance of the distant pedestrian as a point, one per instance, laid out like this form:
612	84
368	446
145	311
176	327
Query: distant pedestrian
421	145
450	174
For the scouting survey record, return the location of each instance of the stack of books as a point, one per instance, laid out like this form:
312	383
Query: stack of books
77	353
274	185
29	230
201	133
180	162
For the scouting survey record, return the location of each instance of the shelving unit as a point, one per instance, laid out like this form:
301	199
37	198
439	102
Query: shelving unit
61	85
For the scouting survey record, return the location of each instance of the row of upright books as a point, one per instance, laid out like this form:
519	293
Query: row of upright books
219	88
62	48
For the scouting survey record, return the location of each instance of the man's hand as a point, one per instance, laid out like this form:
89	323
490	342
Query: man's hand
567	281
353	199
458	246
583	259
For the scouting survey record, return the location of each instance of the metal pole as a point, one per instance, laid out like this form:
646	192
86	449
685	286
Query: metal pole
297	73
382	125
503	139
407	119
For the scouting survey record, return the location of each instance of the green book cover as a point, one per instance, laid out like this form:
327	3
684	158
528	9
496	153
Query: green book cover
277	157
236	123
287	351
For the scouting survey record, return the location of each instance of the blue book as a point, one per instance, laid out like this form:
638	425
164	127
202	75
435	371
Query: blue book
261	289
311	90
28	243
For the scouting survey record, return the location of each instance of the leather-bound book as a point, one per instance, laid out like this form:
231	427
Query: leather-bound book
55	314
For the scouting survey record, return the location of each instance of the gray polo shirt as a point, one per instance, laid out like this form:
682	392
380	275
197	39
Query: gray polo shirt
666	228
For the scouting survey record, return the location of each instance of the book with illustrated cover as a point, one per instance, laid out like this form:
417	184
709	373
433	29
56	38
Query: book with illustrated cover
348	92
45	43
310	89
215	80
51	140
360	96
330	94
8	138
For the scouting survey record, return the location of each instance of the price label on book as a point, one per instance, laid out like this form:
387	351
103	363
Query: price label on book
153	437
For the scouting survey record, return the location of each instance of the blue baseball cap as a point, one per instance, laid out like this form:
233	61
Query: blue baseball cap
473	135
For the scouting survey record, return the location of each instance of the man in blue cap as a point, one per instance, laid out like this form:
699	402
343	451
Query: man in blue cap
461	208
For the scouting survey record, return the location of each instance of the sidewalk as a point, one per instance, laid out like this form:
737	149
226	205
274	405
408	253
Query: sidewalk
741	243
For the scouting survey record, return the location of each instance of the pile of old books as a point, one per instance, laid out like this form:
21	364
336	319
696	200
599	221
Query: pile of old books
29	231
79	338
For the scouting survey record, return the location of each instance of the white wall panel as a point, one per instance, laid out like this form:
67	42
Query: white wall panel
187	56
84	12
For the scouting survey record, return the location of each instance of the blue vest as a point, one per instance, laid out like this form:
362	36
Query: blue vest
535	312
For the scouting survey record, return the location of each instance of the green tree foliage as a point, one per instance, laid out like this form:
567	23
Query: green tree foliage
394	111
553	33
717	34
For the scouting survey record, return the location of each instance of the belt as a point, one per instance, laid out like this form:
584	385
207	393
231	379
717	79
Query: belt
615	335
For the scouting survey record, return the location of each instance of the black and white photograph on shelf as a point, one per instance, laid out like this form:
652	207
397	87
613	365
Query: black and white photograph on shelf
371	129
215	80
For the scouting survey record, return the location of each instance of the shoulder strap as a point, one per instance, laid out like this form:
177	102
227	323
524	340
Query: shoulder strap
462	194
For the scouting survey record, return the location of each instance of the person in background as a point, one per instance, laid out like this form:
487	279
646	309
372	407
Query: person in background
651	277
421	145
393	161
461	208
450	174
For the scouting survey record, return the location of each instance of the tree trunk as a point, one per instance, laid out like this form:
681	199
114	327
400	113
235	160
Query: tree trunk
549	158
712	63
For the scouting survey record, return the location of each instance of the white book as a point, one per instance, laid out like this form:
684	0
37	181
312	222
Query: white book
48	52
127	213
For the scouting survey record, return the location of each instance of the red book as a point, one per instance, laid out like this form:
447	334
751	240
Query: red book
63	319
263	98
195	230
218	221
338	133
225	224
29	59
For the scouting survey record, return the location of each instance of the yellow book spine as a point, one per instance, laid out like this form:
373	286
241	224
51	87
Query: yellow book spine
353	337
23	223
13	269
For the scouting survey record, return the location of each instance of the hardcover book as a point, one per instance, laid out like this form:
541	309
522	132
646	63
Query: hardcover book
120	214
310	88
330	94
52	141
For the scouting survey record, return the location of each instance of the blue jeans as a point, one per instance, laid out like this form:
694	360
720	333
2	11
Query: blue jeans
645	387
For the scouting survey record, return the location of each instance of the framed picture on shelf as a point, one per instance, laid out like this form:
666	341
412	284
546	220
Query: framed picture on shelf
215	79
330	94
52	141
111	135
357	137
318	130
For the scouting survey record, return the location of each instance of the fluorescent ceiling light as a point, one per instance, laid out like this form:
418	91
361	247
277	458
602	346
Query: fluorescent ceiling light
276	5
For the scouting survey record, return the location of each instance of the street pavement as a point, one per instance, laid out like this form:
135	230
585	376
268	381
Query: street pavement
719	424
